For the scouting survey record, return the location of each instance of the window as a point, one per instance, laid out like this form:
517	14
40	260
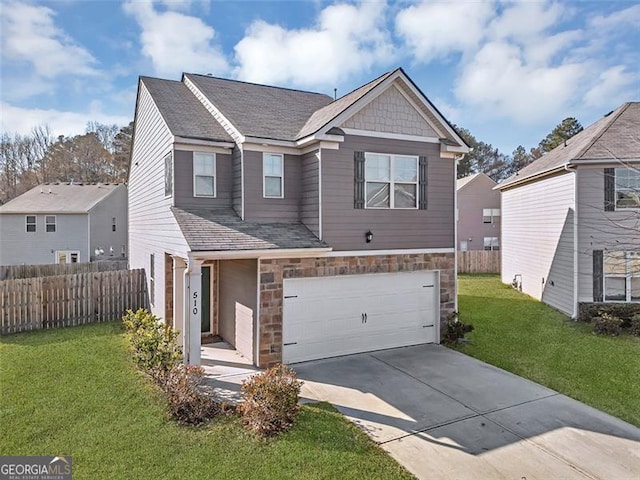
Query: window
31	223
391	181
67	256
627	188
622	276
204	175
490	215
113	224
152	281
491	243
168	175
273	173
50	223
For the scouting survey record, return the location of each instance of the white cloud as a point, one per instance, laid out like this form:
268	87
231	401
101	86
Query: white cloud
611	89
176	42
345	40
30	36
630	16
21	120
435	30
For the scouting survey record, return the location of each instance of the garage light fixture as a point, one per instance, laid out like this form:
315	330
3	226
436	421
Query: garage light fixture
368	236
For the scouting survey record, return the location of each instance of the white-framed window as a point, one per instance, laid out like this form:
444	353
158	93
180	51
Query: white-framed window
391	181
490	215
204	174
113	224
622	276
152	278
273	175
168	175
627	188
67	256
50	223
30	221
491	243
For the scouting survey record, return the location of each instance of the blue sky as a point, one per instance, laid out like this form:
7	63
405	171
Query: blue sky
507	71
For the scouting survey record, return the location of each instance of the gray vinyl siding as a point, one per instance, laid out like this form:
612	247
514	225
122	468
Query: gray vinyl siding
256	207
238	283
236	181
18	247
183	182
152	228
100	225
344	227
310	203
475	196
597	229
538	240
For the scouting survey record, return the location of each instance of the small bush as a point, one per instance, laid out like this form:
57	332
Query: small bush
624	311
455	329
270	401
187	404
634	325
607	324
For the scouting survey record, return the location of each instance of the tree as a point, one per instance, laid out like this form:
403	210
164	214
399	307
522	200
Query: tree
105	134
561	132
122	150
483	157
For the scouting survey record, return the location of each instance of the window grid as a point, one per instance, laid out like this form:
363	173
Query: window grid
273	175
204	174
627	188
30	221
391	181
490	215
621	276
50	223
491	243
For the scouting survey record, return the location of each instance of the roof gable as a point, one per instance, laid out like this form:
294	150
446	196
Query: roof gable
476	179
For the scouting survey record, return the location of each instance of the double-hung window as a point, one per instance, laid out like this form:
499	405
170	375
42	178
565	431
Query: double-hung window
204	174
168	175
627	187
622	276
490	215
491	243
391	181
31	223
273	175
50	223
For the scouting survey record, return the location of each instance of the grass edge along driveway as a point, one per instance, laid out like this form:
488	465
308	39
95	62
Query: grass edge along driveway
75	392
524	336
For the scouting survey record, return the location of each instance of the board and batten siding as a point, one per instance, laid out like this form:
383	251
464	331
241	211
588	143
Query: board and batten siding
183	182
344	227
310	203
597	229
17	246
258	208
538	240
152	227
101	225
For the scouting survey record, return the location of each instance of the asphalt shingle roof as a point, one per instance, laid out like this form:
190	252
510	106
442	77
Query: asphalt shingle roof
182	111
615	136
59	198
223	230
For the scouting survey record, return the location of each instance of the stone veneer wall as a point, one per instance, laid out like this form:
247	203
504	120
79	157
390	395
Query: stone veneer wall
273	272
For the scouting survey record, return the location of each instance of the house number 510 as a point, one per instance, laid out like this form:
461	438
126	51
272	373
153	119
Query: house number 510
195	303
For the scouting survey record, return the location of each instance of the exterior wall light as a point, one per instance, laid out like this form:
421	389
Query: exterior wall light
368	236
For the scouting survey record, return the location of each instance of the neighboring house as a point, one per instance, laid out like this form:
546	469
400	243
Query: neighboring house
571	219
478	213
294	226
64	223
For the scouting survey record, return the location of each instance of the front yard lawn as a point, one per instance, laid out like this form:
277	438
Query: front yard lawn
526	337
75	392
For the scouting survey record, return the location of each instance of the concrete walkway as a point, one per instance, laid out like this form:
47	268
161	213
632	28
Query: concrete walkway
444	415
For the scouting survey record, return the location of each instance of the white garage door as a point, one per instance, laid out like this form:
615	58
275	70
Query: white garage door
330	316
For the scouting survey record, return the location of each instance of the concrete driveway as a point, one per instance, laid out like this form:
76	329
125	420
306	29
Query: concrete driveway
444	415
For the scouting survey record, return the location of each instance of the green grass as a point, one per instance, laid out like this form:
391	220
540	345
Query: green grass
75	392
526	337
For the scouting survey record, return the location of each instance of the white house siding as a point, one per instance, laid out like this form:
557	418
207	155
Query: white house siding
101	218
152	228
597	229
538	241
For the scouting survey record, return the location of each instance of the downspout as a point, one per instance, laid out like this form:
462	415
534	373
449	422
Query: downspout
455	227
568	168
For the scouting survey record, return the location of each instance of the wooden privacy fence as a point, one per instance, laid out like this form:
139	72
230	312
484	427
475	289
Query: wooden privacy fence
67	300
479	261
10	272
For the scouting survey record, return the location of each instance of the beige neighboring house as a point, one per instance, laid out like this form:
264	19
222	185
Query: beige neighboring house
478	213
64	223
571	219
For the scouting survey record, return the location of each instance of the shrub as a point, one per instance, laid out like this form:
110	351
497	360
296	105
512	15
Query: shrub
455	329
624	311
270	401
634	325
187	403
607	324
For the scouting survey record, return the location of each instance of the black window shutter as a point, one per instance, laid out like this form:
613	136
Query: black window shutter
609	189
422	183
597	275
358	175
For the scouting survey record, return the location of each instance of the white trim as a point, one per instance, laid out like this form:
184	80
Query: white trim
55	223
319	193
270	142
215	174
455	244
264	176
202	147
322	137
256	329
393	136
240	147
575	246
26	223
438	302
615	192
392	182
406	251
275	253
301	150
68	253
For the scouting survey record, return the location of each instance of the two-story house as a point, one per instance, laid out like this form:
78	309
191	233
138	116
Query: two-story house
571	219
293	225
478	213
64	223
